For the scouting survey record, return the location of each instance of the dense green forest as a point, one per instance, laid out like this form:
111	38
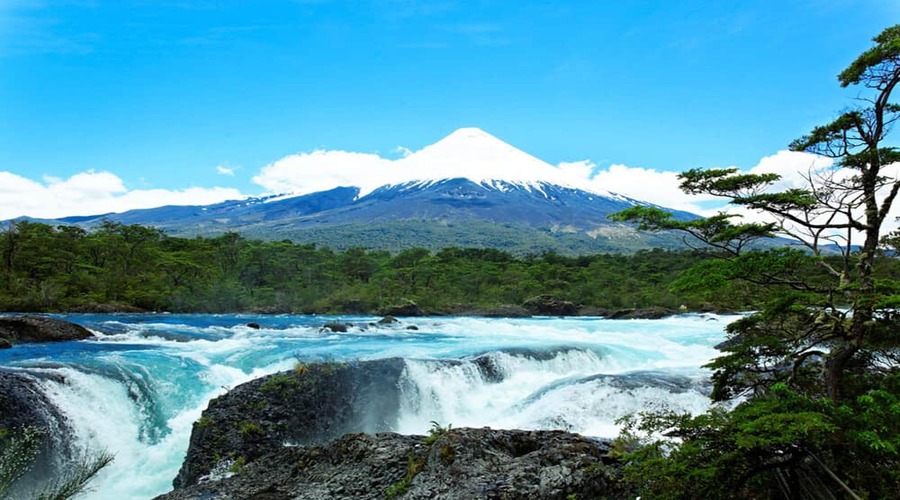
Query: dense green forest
46	268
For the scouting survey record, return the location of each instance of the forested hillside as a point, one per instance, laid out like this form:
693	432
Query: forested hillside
47	268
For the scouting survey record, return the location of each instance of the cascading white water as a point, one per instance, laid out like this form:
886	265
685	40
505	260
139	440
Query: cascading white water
530	391
138	388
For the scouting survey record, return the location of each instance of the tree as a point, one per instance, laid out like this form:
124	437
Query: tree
826	346
18	451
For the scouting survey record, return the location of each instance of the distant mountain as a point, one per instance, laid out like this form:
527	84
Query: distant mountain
468	189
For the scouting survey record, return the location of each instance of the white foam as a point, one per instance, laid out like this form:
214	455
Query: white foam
533	391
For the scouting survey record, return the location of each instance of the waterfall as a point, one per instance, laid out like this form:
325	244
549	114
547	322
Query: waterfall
137	389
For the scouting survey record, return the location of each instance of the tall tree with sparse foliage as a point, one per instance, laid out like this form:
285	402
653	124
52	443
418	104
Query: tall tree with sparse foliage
820	362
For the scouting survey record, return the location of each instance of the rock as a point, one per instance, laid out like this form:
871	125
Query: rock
505	311
5	343
336	327
647	313
254	325
23	405
388	320
408	308
296	434
40	329
412	327
593	311
548	305
455	463
308	405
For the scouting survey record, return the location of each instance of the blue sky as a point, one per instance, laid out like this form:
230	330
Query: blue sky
157	96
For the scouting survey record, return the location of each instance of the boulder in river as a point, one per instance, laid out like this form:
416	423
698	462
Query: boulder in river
307	405
40	329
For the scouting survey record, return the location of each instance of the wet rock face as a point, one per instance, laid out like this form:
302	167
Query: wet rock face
296	434
308	405
40	329
455	463
22	406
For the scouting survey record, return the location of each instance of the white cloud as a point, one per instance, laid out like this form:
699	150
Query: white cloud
645	184
326	169
321	170
661	187
792	166
583	169
223	170
91	193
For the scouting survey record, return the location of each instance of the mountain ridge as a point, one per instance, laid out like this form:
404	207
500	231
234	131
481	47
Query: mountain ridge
467	189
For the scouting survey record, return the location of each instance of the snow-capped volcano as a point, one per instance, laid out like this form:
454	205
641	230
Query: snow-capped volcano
469	189
473	154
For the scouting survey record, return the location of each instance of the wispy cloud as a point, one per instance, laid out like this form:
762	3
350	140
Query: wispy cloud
406	9
426	45
223	34
22	34
481	34
225	170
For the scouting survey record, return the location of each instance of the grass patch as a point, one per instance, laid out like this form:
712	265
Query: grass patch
248	429
279	382
436	432
401	487
203	422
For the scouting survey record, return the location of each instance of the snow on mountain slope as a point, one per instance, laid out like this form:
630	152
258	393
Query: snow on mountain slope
473	154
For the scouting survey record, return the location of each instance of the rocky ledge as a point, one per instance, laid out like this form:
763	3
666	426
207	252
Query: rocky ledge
15	329
310	404
24	406
322	430
449	463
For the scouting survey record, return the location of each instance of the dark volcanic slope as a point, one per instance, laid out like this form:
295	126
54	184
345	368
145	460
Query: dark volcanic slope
451	212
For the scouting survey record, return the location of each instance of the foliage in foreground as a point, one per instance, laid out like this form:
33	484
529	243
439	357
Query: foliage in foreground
20	449
815	374
783	444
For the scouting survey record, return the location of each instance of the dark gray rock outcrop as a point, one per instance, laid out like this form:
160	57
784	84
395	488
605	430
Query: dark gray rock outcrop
388	320
336	327
548	305
311	404
452	464
40	329
646	313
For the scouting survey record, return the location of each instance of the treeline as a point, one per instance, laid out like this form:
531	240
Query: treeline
46	268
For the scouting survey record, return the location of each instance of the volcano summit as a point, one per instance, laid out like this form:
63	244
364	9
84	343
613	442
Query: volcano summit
470	189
